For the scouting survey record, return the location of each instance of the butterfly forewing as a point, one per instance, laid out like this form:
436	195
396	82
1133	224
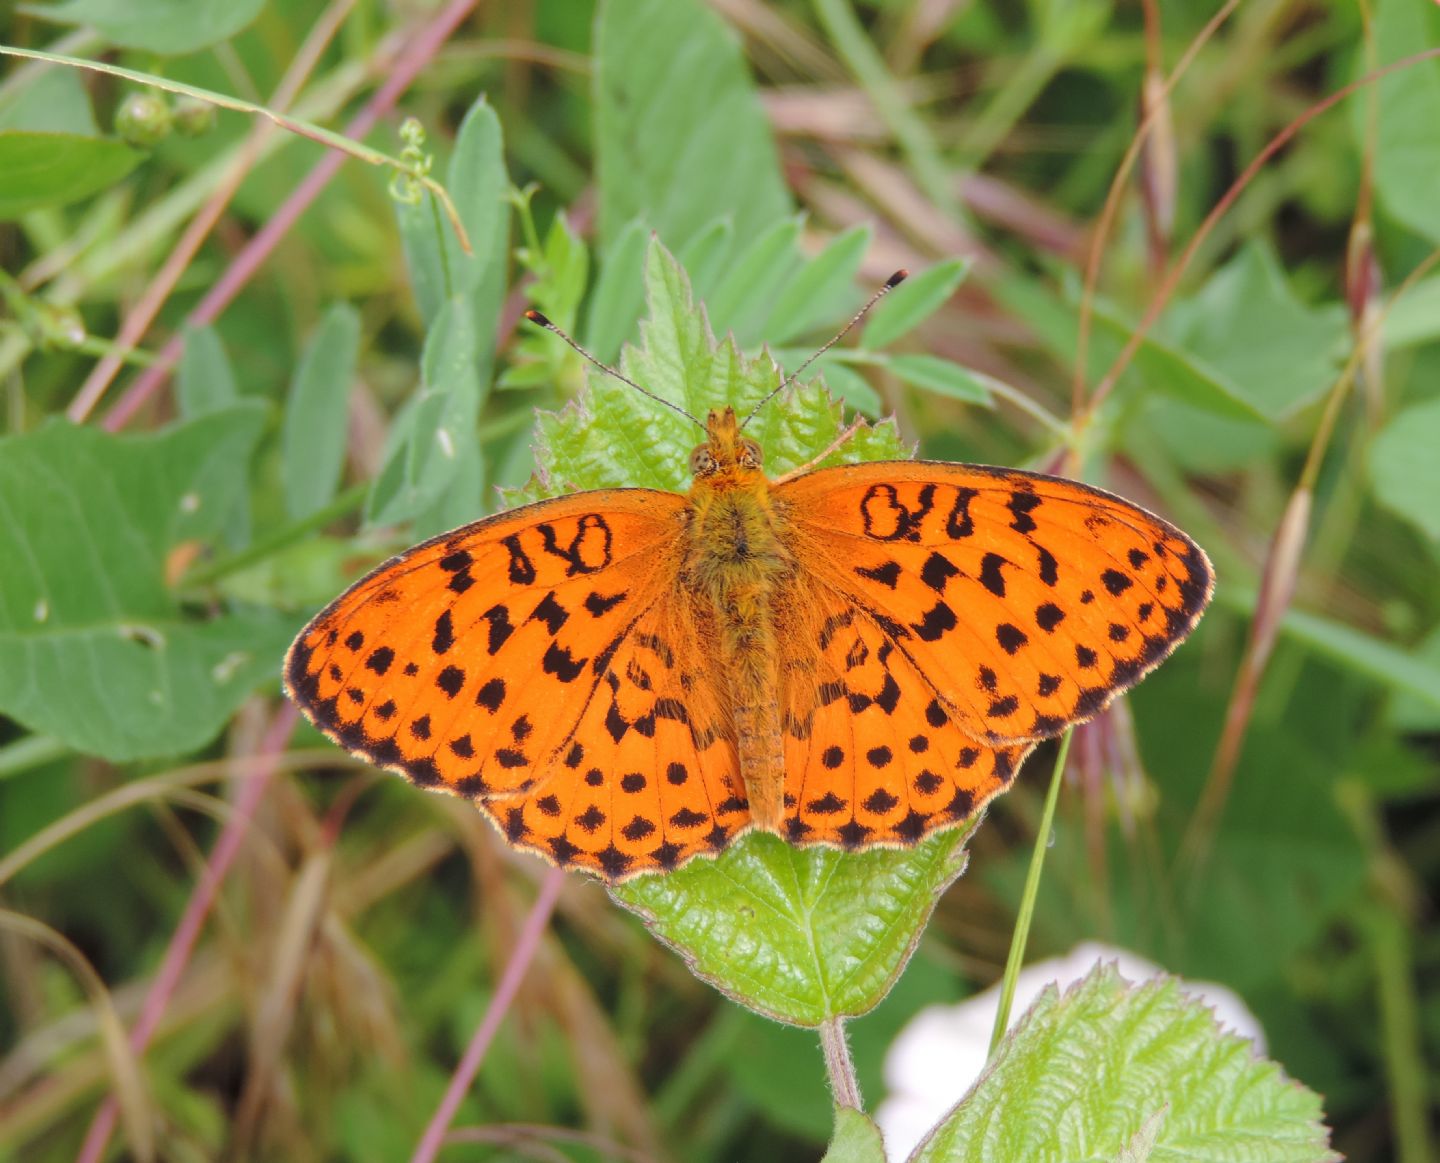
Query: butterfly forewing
467	662
1026	602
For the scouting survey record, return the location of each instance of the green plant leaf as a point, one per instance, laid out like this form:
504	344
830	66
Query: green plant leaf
820	290
1406	130
619	294
51	100
912	302
679	361
941	376
681	138
313	437
436	429
799	935
1108	1068
742	300
1247	324
55	169
94	648
856	1139
1159	367
1405	467
167	27
205	379
706	257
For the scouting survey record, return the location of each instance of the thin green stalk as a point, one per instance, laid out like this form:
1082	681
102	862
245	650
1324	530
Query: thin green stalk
338	141
1027	902
1400	1037
347	501
843	28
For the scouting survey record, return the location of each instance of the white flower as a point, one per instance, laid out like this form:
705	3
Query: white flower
942	1050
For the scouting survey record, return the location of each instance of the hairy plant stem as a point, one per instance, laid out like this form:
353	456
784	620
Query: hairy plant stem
839	1066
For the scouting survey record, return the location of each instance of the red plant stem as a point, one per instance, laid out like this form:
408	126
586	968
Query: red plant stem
197	909
408	66
526	946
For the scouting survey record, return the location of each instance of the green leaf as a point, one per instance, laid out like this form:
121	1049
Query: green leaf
436	429
849	385
821	290
1107	1068
1406	126
55	169
167	27
742	300
312	440
94	648
681	138
799	935
856	1139
619	294
50	100
1247	324
706	256
205	380
942	377
1414	317
1160	367
680	361
912	302
1405	467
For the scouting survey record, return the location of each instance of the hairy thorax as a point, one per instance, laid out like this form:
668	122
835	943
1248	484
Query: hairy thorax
738	565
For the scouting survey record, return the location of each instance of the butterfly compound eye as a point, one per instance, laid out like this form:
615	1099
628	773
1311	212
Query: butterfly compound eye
702	461
751	455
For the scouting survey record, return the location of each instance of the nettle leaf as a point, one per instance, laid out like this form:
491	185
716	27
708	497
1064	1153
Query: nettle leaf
800	936
681	138
95	650
1111	1071
613	436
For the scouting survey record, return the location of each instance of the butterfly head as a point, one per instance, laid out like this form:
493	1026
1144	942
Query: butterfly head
725	450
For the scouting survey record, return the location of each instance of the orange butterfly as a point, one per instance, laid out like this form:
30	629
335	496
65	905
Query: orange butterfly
858	656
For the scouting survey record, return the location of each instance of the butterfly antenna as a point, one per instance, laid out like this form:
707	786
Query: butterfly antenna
890	284
541	321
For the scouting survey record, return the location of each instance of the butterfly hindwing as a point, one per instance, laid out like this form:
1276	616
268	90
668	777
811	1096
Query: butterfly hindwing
872	754
1028	602
649	777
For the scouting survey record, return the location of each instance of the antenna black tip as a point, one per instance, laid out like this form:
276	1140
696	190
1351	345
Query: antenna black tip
535	317
896	279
